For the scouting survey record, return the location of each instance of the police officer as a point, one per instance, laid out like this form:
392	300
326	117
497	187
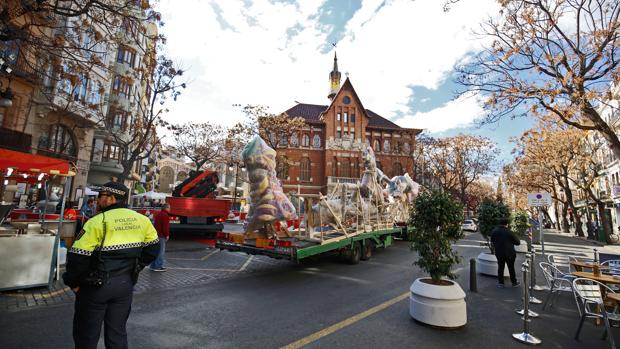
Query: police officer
102	267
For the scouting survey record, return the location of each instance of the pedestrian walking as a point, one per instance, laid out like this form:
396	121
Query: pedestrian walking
162	225
590	229
88	208
504	242
103	265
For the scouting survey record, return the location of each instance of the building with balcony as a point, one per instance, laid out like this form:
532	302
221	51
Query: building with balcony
130	74
328	149
54	107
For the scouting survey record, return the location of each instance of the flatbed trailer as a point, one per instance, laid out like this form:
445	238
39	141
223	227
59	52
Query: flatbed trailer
353	248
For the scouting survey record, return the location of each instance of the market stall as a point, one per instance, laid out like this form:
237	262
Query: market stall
29	245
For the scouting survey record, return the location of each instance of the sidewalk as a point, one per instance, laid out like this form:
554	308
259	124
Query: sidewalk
557	236
189	262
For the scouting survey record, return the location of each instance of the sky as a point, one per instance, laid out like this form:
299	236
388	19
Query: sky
399	55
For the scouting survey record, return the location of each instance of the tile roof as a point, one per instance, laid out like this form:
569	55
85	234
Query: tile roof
376	120
312	113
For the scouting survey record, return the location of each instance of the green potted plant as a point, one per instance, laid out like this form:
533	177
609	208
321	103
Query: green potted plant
435	220
489	212
519	226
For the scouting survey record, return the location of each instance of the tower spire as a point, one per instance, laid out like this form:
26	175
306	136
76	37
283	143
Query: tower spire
334	79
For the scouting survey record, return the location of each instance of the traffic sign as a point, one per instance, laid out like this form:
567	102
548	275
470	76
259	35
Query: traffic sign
539	199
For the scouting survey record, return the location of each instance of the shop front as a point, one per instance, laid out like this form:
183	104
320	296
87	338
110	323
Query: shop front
33	188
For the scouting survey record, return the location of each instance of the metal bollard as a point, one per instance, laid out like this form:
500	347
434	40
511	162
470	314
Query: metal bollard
533	300
533	286
595	256
531	314
473	282
525	336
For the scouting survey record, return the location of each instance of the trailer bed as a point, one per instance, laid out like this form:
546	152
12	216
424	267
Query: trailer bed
298	248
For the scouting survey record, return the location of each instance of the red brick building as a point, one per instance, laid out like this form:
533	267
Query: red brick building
329	149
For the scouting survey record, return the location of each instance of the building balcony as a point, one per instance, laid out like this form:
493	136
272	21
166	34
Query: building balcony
15	140
107	166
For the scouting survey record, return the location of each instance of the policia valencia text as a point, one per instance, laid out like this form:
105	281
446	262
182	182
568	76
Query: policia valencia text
103	265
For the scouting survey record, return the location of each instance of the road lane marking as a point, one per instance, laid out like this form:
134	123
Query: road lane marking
247	262
209	255
342	324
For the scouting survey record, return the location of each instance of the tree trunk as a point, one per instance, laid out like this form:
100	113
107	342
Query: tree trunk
604	129
600	205
571	204
565	224
578	223
557	224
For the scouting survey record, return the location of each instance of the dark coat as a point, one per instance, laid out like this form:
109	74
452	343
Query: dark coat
504	242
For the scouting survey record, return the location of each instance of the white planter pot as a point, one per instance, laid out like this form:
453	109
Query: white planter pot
437	305
522	247
486	264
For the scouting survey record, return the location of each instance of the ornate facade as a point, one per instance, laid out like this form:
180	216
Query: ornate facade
329	149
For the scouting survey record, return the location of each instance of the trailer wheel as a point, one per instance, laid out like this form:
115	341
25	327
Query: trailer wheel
367	250
354	254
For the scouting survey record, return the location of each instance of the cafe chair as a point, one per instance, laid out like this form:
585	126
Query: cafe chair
561	262
590	294
556	282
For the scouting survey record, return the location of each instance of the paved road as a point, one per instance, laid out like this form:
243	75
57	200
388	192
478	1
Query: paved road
284	303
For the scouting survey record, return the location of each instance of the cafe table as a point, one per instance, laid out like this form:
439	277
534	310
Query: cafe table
604	278
581	265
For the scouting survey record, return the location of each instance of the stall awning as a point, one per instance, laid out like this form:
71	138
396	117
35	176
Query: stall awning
33	163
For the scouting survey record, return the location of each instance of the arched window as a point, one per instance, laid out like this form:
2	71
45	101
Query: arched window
58	140
304	174
345	168
305	140
283	140
282	168
406	148
294	140
397	147
386	146
166	179
397	169
376	146
316	141
272	138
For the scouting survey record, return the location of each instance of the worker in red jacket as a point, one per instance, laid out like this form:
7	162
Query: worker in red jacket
162	225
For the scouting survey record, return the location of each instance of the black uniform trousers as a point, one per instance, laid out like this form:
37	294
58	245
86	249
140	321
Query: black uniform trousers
110	304
510	262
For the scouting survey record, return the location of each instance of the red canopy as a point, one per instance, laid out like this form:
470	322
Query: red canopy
32	163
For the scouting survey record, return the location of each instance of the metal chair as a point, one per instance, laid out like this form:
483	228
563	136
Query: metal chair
590	292
561	262
557	282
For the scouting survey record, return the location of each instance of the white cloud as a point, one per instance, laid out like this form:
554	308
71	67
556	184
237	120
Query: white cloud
460	112
251	59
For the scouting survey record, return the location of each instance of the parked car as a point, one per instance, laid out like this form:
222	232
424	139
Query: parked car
469	225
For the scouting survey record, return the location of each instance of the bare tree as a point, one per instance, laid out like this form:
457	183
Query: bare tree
140	138
457	162
549	56
200	142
